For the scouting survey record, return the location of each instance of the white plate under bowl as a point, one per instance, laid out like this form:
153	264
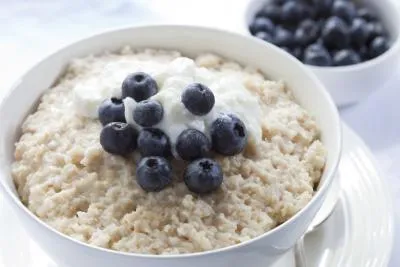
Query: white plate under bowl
359	232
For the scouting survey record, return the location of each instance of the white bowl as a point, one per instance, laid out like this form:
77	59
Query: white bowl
350	84
260	251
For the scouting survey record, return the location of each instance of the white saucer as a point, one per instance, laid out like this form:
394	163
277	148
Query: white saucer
359	232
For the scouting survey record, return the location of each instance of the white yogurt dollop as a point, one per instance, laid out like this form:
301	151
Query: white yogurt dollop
231	97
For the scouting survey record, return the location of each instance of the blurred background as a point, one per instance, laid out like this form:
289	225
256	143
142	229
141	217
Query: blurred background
30	29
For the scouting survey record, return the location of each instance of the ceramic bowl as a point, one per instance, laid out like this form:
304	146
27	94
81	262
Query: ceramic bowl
350	84
257	252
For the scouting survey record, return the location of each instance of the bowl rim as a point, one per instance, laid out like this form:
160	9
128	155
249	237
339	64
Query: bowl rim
14	199
393	49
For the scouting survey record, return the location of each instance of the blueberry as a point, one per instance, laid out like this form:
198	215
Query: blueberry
283	37
322	7
335	33
366	14
320	42
364	53
261	24
378	28
192	144
307	32
153	174
271	11
346	57
148	113
378	46
111	110
139	85
301	37
292	12
203	176
317	55
228	135
359	32
278	2
375	29
118	138
312	26
153	142
289	27
344	9
198	99
297	52
264	36
309	11
321	23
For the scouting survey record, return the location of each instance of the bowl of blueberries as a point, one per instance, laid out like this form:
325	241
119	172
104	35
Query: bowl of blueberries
351	45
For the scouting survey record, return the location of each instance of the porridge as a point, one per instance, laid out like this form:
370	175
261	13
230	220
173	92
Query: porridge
66	178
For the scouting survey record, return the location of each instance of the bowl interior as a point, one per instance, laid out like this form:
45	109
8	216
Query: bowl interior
191	41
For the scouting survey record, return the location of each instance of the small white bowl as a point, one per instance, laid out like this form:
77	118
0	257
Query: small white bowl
260	251
350	84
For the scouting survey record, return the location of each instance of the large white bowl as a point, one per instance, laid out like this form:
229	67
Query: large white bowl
350	84
258	252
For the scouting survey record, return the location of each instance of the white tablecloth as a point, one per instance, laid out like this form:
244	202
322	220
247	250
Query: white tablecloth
31	29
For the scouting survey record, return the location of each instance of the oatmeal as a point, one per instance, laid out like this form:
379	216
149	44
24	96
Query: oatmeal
64	176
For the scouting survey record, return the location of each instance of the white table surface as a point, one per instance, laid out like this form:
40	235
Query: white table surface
30	29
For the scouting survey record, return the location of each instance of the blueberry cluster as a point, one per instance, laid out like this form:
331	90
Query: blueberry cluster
203	174
322	32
